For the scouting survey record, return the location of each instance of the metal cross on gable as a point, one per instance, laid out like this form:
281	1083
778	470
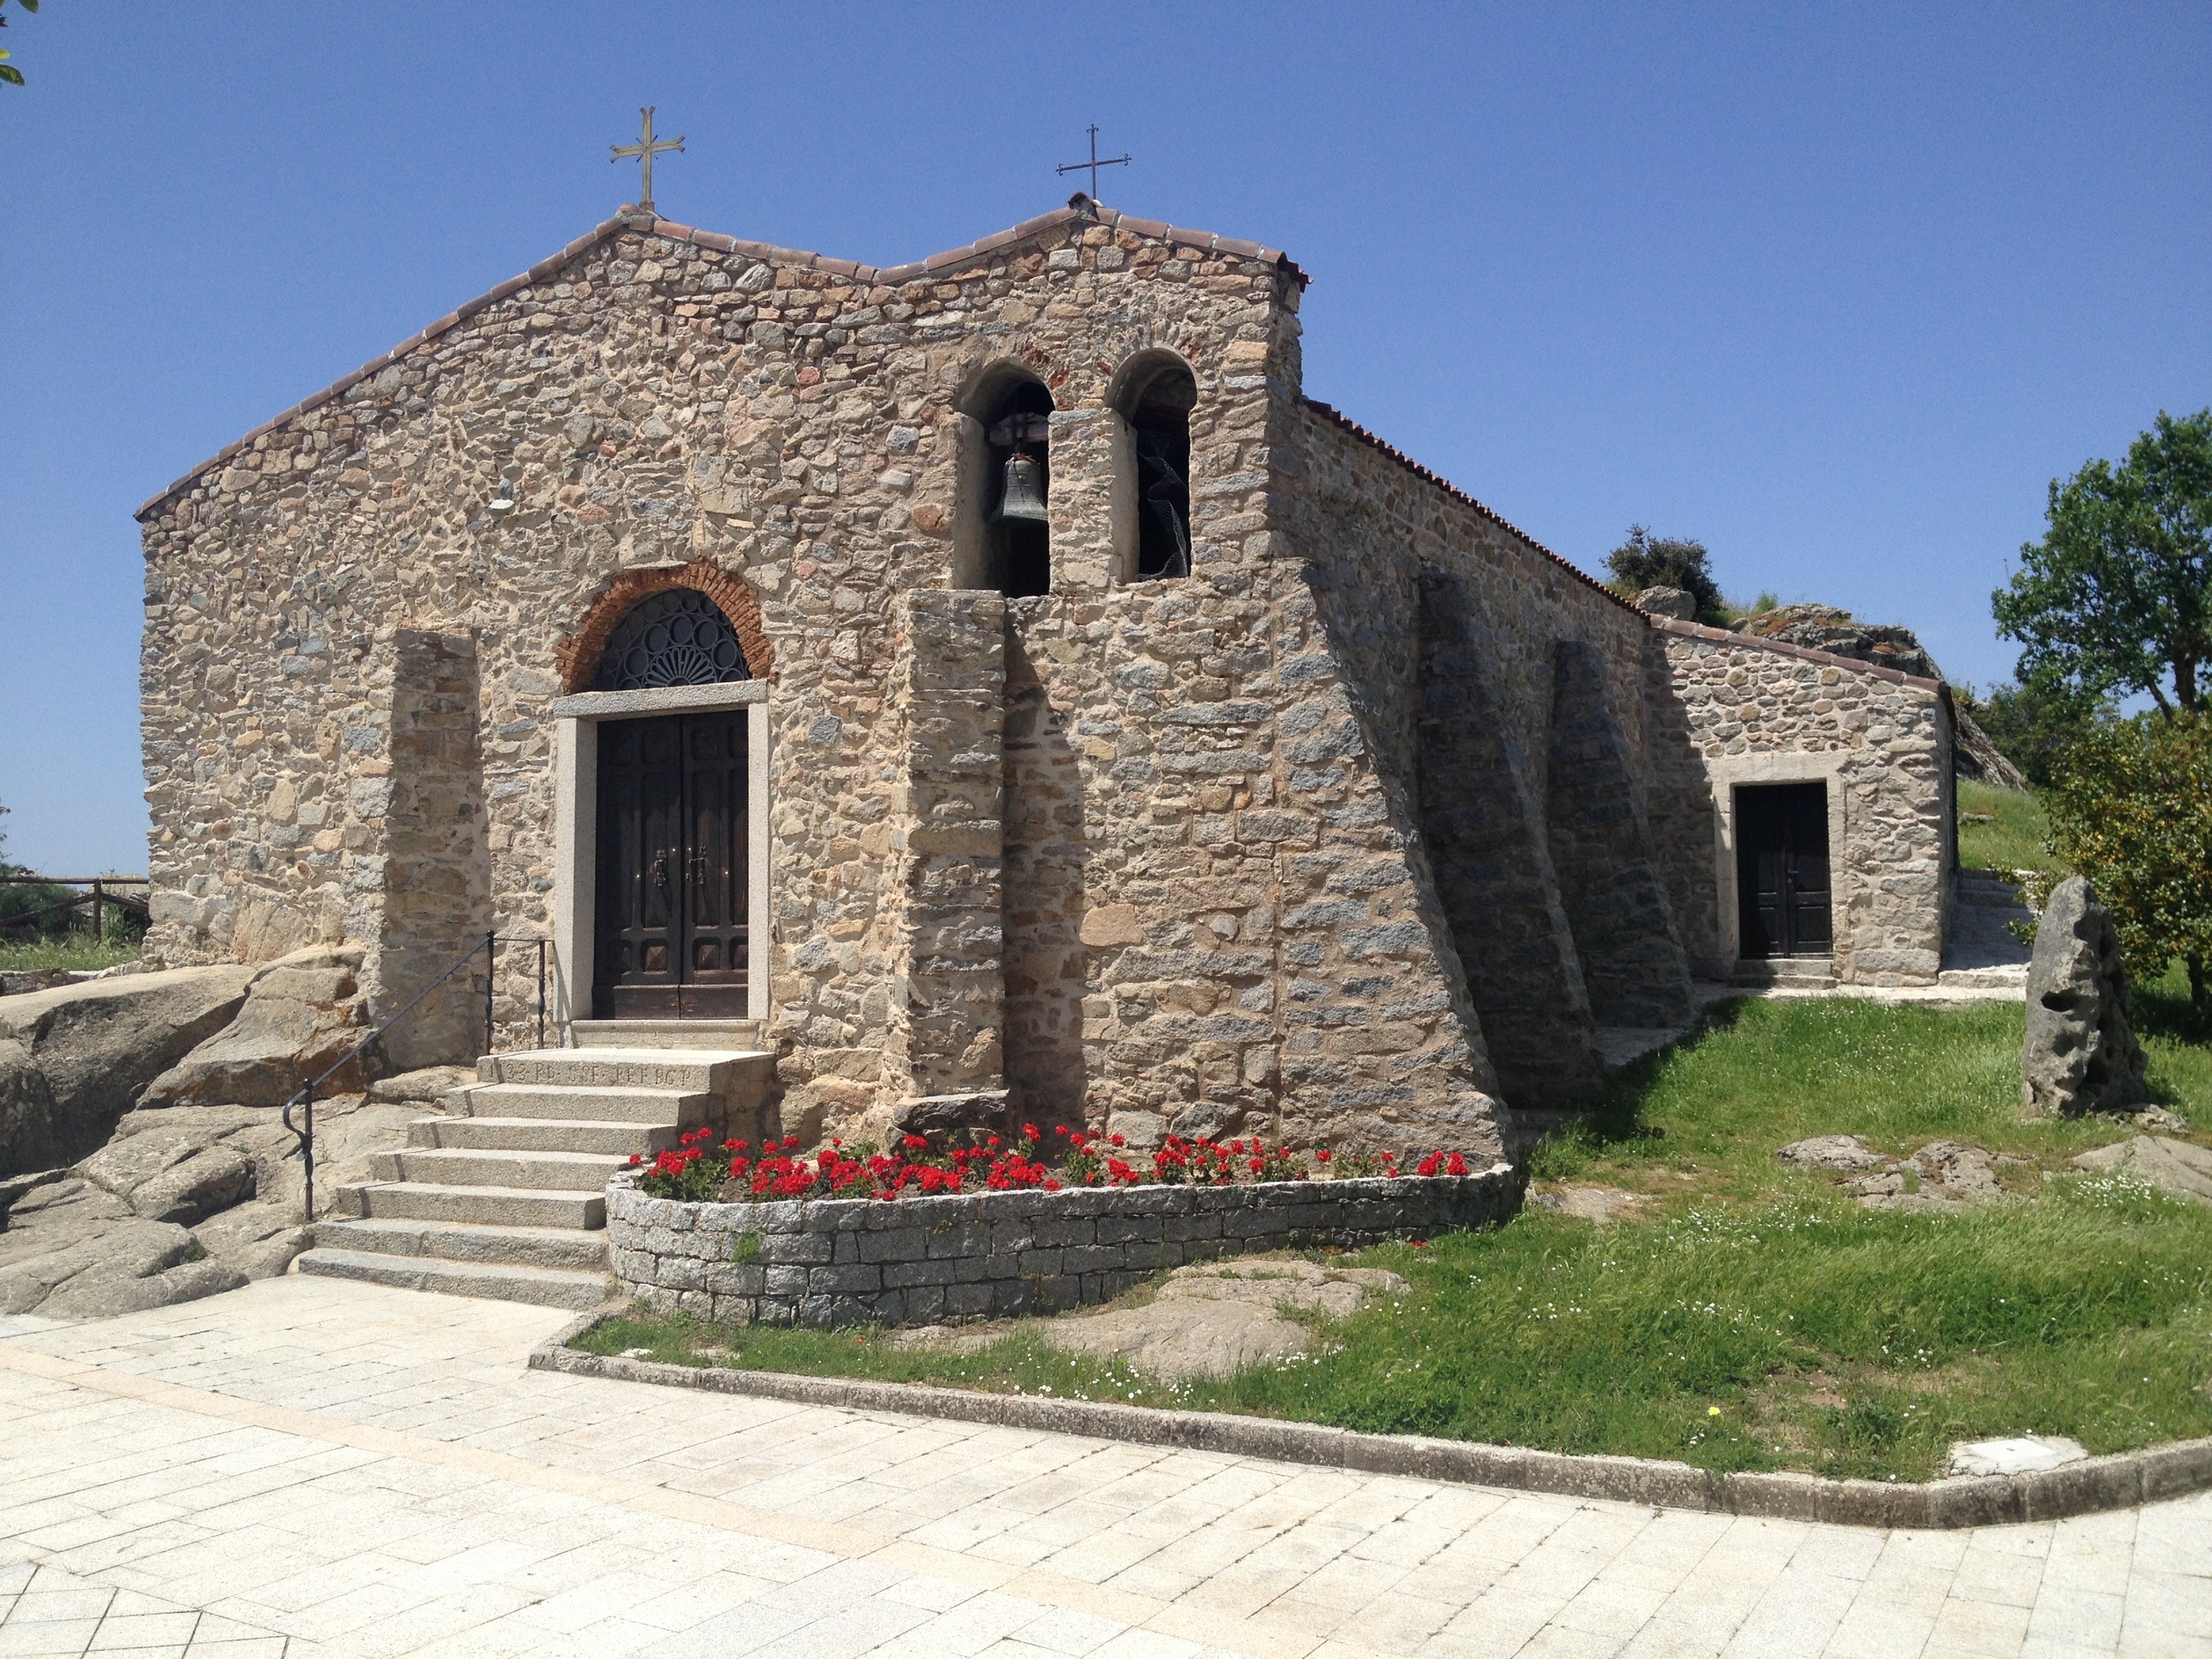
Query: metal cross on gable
1095	164
644	150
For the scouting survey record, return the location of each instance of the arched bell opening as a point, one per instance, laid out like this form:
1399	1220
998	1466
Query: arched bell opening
1002	534
1152	398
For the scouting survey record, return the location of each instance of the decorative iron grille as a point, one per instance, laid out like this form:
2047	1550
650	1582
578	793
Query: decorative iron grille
676	637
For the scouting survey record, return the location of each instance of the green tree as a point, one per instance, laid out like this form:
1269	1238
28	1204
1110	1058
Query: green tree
1648	561
9	72
24	899
2032	724
2117	596
2131	808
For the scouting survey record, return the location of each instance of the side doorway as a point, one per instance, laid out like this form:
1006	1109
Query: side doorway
672	940
1783	889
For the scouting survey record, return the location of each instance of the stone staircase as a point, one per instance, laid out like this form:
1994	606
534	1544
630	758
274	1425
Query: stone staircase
1784	973
504	1194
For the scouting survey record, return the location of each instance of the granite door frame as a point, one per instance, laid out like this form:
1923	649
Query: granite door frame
576	829
1725	774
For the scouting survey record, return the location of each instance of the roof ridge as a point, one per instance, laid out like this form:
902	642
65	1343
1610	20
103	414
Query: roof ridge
1783	648
1080	208
1665	624
633	218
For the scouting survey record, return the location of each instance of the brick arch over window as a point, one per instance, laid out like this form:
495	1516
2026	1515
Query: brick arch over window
578	655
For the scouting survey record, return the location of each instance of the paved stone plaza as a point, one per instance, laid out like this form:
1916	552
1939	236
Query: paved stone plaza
313	1466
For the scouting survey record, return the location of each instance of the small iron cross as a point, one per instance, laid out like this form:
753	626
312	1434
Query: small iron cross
645	149
1095	164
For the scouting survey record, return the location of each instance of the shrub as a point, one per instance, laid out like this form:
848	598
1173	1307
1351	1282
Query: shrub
1648	561
2131	808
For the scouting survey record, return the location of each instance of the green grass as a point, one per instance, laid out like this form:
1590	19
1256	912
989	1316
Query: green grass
2012	836
80	949
1753	1317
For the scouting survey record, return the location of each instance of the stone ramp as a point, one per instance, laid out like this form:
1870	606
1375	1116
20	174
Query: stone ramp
1982	950
504	1195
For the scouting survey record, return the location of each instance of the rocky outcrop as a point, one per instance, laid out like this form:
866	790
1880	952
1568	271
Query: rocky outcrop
2180	1169
1944	1175
183	1202
302	1013
1825	628
1214	1319
171	1177
2081	1054
200	1189
73	1251
1679	603
1847	1153
74	1058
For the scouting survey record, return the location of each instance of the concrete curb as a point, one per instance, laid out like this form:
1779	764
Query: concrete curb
2118	1482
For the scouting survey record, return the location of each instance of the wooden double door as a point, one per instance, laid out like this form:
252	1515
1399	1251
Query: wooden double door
671	939
1782	879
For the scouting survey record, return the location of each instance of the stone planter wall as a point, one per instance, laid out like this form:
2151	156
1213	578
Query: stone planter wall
919	1261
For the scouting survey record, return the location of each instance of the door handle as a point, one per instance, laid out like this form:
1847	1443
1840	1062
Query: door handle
660	871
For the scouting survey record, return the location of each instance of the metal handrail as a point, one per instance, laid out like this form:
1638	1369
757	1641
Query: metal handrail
303	1132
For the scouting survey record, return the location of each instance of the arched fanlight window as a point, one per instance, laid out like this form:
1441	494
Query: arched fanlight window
676	637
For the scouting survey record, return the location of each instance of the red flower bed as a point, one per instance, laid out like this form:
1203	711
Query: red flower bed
771	1171
741	1172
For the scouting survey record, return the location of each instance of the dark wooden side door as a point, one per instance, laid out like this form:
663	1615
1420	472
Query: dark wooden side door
1782	884
672	940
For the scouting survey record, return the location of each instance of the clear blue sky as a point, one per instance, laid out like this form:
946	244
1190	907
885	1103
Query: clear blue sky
1837	290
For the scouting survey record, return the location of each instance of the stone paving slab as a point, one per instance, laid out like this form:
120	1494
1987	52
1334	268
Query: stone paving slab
374	1473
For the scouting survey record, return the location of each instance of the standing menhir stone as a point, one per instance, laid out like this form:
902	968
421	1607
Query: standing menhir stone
2081	1054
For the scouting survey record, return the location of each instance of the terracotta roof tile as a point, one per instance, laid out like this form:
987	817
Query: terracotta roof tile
1328	413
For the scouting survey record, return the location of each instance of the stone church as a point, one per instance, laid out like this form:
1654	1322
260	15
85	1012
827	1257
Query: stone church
990	673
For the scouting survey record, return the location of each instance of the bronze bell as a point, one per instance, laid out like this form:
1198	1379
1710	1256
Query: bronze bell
1024	496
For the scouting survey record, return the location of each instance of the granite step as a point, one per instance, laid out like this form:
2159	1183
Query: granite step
541	1134
571	1104
728	1071
504	1196
546	1286
1796	972
525	1172
739	1034
492	1206
462	1241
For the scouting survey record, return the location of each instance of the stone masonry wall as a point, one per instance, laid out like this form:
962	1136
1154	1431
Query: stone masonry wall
1883	740
1402	562
920	1260
1610	884
1181	930
949	988
1217	911
434	898
1482	826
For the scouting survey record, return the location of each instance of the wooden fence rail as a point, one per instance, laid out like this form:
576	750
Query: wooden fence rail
102	894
